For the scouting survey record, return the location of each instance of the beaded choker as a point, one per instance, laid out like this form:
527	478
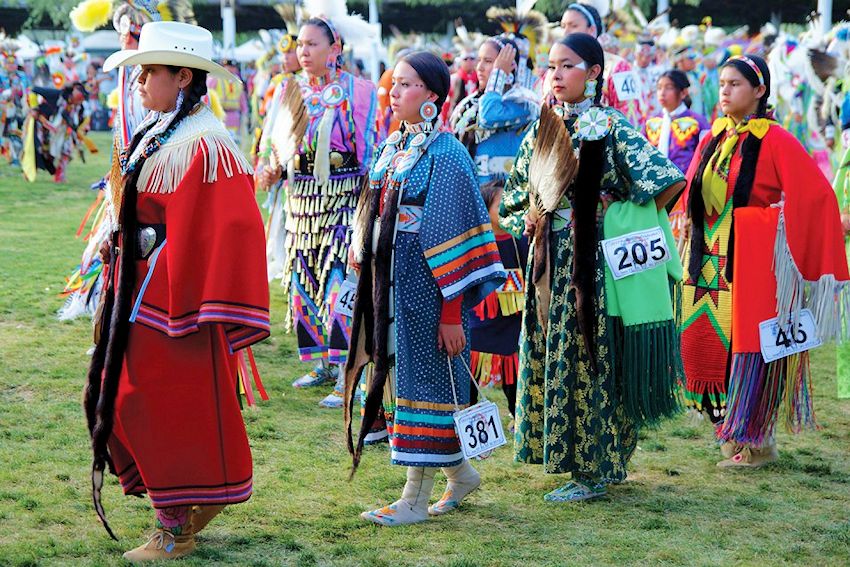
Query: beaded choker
424	126
578	108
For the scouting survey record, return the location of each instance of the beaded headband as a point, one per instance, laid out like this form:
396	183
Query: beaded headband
584	11
495	39
752	65
337	38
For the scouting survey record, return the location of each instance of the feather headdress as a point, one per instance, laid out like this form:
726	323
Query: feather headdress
523	21
8	46
352	27
626	21
92	14
466	42
166	10
89	15
401	43
290	16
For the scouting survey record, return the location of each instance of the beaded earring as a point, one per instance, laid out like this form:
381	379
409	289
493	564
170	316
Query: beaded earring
590	88
428	110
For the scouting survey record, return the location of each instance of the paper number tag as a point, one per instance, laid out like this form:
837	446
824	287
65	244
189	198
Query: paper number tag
346	298
479	429
779	342
626	85
635	252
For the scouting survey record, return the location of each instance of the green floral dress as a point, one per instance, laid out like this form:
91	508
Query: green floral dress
567	418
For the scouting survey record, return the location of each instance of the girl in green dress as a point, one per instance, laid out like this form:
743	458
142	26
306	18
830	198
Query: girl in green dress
571	416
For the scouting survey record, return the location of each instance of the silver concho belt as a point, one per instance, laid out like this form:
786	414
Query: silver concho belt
148	238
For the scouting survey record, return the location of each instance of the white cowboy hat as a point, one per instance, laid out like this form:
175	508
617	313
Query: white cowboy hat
171	43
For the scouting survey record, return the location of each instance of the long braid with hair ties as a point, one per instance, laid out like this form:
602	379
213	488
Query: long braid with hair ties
750	150
585	201
109	353
696	210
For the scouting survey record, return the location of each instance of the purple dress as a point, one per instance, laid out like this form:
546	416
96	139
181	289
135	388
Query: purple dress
686	129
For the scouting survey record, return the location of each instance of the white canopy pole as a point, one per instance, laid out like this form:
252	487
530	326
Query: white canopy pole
228	28
663	6
375	67
825	11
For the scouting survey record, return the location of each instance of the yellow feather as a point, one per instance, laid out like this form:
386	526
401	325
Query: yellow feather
165	11
112	100
91	14
215	105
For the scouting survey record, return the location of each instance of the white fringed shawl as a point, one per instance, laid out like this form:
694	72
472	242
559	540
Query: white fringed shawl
827	297
198	136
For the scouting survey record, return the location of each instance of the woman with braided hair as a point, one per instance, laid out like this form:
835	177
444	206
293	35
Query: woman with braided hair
187	289
583	17
584	174
426	254
84	285
765	244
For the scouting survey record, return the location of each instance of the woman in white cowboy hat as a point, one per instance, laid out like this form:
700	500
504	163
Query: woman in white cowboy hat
85	281
160	398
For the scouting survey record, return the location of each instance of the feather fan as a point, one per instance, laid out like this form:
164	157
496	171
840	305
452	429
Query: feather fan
553	164
290	125
823	64
552	169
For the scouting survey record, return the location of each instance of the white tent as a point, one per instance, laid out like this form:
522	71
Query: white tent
249	51
27	48
102	42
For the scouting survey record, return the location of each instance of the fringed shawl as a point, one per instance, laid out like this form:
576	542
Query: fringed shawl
199	133
790	256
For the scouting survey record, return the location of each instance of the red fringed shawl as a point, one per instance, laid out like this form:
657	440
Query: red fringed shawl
789	255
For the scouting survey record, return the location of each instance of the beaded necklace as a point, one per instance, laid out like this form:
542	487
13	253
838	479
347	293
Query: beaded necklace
153	145
396	162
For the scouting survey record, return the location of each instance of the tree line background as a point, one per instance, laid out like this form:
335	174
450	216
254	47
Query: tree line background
421	16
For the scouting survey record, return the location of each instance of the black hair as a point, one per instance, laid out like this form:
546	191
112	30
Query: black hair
68	90
433	71
323	25
490	190
193	93
750	150
587	47
597	19
680	82
677	77
500	41
748	73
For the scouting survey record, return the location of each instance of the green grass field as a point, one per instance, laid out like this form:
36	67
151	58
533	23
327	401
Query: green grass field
676	509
